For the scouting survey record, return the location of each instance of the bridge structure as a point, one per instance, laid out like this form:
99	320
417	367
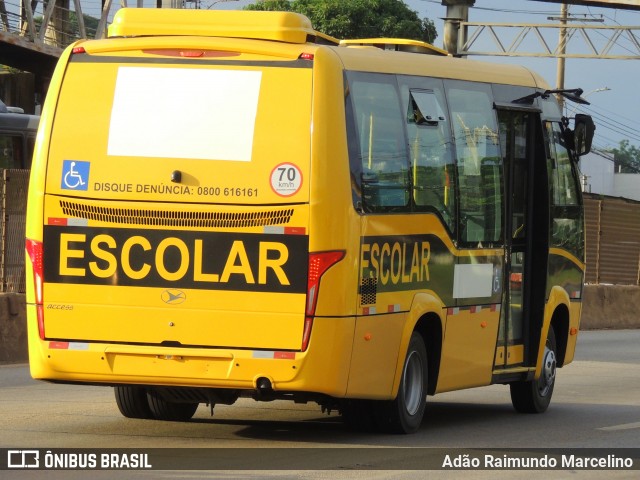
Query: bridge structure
33	33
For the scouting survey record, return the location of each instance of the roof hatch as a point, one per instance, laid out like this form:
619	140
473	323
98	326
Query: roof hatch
395	44
286	27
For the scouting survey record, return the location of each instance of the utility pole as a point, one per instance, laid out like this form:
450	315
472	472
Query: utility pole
562	49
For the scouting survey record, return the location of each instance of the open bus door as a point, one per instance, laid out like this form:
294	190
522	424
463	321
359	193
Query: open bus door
526	240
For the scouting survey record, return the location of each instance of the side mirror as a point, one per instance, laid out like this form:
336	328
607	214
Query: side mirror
583	133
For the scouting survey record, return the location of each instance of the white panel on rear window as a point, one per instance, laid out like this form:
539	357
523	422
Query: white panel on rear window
184	113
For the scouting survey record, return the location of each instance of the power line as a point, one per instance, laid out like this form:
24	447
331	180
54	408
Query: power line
616	123
607	123
611	142
602	123
502	10
621	117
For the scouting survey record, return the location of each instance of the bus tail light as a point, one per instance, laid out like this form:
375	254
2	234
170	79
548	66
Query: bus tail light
318	264
34	250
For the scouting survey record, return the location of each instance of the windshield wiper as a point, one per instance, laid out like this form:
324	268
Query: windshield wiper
572	94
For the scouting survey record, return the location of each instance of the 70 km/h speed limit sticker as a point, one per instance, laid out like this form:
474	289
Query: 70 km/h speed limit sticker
286	179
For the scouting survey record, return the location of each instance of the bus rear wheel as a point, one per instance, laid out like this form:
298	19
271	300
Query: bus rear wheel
534	396
132	402
162	409
404	414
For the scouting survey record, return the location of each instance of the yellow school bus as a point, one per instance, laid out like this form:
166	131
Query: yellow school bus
231	204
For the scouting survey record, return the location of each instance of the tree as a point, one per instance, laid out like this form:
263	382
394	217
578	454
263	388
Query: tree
358	18
271	6
627	158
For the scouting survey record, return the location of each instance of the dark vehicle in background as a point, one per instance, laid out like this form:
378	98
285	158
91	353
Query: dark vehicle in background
17	137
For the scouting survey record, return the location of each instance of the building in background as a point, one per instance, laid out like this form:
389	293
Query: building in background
599	176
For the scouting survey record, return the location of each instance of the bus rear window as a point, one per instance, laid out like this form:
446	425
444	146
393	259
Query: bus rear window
141	98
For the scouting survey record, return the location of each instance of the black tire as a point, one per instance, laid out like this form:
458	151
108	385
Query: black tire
162	409
132	402
534	396
405	413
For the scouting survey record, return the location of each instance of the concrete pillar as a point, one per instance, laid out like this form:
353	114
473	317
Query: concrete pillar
170	3
457	11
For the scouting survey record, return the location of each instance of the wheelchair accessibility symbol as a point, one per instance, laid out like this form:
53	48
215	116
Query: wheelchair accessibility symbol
75	175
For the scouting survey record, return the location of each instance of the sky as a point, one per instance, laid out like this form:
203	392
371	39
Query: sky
610	85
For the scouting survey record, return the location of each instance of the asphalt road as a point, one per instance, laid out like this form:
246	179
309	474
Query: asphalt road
596	404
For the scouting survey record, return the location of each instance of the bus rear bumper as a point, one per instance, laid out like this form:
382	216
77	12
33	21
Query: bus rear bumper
323	368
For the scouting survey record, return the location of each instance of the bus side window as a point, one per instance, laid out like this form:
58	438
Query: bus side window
566	227
479	165
10	151
382	150
430	153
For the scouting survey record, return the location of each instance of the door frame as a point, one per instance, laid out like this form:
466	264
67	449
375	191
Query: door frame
533	246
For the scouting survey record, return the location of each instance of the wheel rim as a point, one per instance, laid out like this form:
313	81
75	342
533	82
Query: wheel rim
548	376
412	381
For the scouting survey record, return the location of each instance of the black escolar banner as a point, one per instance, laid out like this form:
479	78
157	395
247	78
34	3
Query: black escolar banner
162	258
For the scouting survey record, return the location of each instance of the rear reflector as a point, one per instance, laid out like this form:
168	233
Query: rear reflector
34	250
55	345
319	263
